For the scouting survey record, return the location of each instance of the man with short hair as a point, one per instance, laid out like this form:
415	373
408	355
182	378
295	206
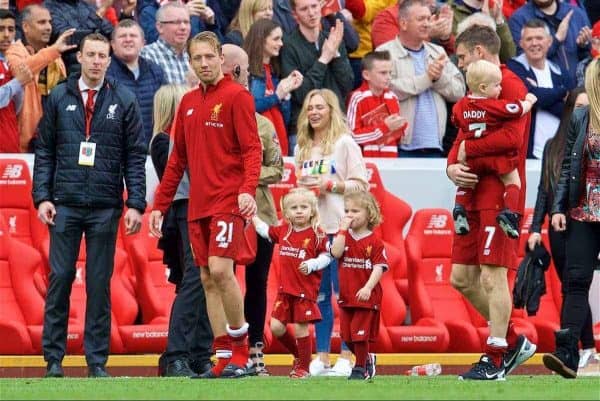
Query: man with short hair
545	79
45	63
481	258
11	88
319	56
423	80
86	19
89	146
216	140
169	52
141	76
569	27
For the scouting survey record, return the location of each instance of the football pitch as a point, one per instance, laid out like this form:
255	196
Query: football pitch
281	388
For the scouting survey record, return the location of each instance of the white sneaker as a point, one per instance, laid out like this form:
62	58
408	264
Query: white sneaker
318	368
585	355
342	367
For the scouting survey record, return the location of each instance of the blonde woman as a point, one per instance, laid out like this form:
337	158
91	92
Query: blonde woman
249	11
329	162
186	355
577	195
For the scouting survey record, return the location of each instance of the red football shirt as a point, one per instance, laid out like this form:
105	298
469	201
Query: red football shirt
478	117
355	266
489	191
216	139
294	248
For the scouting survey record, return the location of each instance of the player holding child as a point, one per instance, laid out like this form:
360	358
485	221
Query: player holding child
362	262
481	113
302	256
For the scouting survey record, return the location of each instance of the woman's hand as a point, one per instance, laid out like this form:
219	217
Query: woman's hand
559	222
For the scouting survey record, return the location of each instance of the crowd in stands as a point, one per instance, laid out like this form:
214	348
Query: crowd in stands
295	47
397	72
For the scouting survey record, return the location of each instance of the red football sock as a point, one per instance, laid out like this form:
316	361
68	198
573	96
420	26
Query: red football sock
511	197
239	345
289	342
495	353
361	352
511	335
222	347
304	351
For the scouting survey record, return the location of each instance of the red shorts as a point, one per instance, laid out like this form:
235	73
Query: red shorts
219	235
496	165
359	324
291	309
485	244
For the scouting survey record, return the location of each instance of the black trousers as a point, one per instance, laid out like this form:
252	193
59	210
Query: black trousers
583	246
255	298
190	335
100	229
558	248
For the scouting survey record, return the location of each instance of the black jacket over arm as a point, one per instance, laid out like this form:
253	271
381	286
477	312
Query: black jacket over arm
116	129
570	185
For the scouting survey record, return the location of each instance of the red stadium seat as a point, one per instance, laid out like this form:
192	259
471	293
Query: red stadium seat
288	181
547	319
396	213
154	292
22	310
423	335
429	251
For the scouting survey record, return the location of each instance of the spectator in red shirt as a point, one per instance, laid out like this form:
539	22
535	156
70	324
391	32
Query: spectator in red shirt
216	140
302	256
362	262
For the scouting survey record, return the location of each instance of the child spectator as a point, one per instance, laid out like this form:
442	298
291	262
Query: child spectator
482	113
302	254
374	110
362	262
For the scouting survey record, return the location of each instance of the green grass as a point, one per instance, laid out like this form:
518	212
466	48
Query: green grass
282	388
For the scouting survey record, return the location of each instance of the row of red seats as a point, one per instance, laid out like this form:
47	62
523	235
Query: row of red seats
441	320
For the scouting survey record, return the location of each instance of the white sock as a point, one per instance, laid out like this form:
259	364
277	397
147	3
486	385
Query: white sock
497	341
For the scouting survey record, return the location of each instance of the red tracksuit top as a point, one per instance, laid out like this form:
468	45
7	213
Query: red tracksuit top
216	139
489	191
9	128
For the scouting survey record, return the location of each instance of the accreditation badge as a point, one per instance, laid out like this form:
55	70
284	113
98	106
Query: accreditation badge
87	153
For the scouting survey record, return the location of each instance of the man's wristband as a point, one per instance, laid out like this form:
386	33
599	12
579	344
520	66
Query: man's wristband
342	232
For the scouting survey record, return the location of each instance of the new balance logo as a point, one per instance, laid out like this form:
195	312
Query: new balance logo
360	333
12	171
189	112
437	221
71	107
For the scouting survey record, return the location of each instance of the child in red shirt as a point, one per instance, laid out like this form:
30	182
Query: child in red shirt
481	113
302	254
362	262
374	110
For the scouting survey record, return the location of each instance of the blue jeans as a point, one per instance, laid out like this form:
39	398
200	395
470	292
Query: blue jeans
324	328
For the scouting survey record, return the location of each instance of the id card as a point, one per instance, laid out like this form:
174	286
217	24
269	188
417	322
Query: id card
87	152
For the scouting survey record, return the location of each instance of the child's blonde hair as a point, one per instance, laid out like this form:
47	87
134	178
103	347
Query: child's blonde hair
311	198
367	201
482	72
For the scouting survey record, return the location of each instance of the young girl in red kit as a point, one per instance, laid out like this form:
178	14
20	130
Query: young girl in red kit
302	254
362	262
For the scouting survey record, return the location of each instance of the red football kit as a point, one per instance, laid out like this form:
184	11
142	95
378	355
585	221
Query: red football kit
359	320
478	117
366	113
294	248
485	243
216	139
